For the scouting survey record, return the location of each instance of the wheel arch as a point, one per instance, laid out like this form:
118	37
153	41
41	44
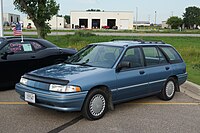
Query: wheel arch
176	82
107	92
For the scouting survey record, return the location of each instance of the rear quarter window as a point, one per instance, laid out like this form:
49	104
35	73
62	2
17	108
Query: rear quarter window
172	54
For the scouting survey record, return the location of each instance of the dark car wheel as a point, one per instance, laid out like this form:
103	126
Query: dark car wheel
169	90
95	105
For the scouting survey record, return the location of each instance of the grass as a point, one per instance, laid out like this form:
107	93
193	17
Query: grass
188	47
140	30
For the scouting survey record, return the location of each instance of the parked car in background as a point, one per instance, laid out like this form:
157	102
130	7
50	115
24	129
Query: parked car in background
103	74
105	27
17	57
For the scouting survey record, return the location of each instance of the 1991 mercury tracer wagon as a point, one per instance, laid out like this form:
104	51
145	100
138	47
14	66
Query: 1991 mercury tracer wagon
103	74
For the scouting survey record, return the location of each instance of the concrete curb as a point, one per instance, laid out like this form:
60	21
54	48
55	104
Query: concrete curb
191	89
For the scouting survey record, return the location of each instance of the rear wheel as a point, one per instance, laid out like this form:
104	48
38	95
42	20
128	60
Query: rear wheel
95	105
169	89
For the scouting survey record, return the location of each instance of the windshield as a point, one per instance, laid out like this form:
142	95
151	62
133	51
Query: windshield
96	55
1	40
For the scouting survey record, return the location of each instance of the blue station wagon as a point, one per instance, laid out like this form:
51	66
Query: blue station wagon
103	74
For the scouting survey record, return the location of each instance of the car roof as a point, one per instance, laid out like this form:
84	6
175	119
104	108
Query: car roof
129	43
42	41
8	38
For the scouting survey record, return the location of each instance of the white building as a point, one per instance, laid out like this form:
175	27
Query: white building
10	18
98	19
55	23
165	25
142	23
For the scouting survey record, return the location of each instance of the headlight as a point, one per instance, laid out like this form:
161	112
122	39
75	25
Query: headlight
64	88
23	81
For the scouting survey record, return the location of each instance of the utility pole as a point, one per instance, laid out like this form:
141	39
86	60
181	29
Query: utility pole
155	16
136	21
149	18
1	18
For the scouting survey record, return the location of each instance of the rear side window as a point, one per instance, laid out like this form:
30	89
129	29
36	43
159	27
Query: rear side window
36	45
172	54
153	56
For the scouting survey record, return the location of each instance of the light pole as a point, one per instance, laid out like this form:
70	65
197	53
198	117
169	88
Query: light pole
1	18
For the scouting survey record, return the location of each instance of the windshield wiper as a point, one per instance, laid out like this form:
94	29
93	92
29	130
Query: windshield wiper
82	64
67	62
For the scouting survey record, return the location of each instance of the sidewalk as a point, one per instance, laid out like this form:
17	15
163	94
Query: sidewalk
191	89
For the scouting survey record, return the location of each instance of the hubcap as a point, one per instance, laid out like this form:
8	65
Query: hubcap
170	88
97	105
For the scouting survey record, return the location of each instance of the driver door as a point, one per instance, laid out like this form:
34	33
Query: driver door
17	62
132	82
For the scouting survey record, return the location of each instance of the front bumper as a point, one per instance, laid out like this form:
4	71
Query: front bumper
54	100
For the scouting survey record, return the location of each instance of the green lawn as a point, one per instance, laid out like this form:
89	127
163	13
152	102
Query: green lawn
139	30
188	47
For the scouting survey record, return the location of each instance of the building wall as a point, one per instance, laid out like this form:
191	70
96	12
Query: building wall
141	23
122	18
9	17
55	23
165	25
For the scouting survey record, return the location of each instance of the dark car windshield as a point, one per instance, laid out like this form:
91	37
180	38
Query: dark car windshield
96	55
1	40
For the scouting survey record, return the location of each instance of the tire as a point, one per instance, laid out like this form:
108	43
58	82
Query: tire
169	90
95	105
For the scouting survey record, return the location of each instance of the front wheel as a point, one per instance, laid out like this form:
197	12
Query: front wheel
95	105
169	89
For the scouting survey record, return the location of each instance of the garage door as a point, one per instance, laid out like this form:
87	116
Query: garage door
124	24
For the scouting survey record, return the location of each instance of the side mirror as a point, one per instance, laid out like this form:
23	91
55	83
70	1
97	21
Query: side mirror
123	64
5	55
9	52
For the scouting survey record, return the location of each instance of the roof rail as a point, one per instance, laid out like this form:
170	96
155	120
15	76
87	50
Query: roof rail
141	41
156	42
138	40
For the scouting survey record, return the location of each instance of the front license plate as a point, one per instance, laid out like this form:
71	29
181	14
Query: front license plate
29	97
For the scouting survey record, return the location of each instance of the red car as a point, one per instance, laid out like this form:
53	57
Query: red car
105	27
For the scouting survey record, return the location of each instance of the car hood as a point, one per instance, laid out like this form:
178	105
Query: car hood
66	71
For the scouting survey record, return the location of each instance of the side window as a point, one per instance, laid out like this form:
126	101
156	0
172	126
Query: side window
36	46
172	54
162	58
134	56
151	56
18	47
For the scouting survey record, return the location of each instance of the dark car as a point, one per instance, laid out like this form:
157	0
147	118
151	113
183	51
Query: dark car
18	57
103	74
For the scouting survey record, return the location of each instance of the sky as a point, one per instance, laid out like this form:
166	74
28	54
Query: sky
146	8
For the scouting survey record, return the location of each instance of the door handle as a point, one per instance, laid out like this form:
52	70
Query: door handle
167	68
33	56
142	72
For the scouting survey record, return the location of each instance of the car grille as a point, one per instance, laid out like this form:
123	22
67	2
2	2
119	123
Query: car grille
38	85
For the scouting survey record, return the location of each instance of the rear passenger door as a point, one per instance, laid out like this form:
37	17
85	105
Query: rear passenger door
157	68
132	82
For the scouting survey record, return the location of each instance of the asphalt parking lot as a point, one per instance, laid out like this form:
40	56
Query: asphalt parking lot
180	115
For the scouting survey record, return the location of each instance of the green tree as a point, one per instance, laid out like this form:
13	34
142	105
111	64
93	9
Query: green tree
191	17
67	19
39	11
174	22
